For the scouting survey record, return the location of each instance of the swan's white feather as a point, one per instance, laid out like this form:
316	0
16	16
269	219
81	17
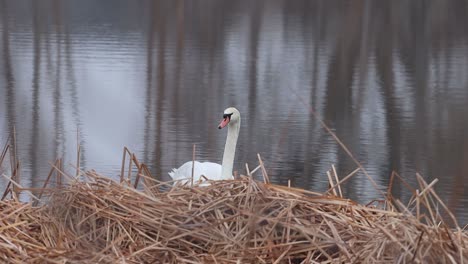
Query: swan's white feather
209	170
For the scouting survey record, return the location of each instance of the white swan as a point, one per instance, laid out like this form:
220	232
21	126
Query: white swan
210	170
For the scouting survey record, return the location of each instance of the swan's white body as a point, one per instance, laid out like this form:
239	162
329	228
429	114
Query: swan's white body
210	170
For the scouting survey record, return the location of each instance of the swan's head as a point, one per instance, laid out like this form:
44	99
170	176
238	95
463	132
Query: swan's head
230	115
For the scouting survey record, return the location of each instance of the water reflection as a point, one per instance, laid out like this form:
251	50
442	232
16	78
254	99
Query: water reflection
388	78
33	152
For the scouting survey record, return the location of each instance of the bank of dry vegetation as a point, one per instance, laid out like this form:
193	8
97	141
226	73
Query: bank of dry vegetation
89	218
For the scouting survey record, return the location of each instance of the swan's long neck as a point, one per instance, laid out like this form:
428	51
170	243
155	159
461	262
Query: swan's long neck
230	149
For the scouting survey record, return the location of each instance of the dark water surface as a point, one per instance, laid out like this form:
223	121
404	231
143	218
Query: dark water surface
389	78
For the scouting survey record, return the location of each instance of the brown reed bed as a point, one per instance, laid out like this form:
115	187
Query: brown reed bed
94	219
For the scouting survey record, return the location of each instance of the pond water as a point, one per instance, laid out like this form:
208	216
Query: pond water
389	78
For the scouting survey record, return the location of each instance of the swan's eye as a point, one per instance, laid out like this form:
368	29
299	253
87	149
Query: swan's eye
227	115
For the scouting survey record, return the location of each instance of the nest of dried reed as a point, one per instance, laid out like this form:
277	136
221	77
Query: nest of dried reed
94	219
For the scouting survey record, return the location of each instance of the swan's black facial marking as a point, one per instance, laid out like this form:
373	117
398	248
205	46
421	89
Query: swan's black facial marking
227	115
225	121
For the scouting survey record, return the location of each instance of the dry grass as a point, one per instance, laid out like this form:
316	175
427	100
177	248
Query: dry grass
93	219
97	219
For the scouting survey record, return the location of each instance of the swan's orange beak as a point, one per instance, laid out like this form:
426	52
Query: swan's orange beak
224	122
